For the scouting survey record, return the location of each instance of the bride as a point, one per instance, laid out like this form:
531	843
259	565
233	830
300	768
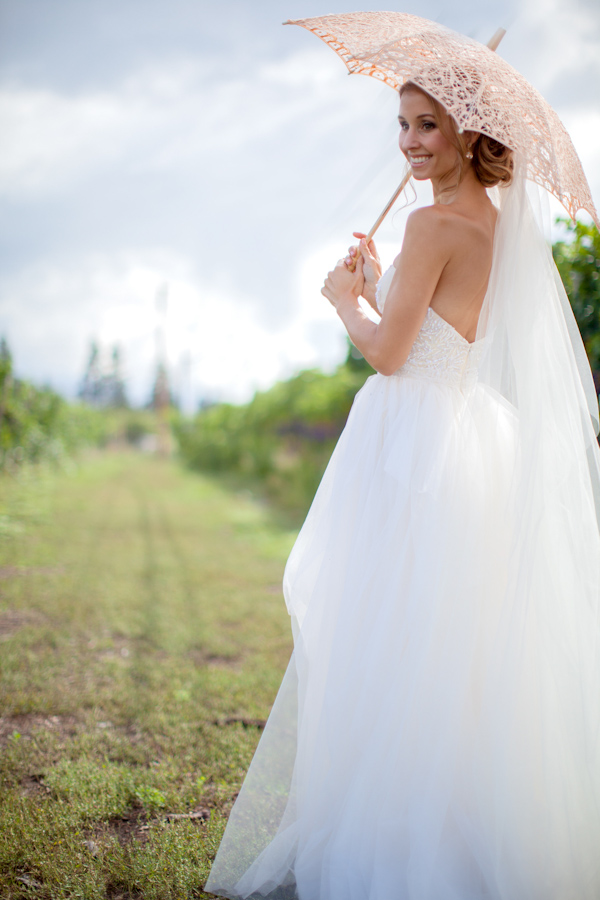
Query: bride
437	733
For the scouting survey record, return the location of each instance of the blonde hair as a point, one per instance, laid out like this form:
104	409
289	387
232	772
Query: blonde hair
492	162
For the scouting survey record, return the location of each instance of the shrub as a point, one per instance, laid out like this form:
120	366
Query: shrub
283	437
37	424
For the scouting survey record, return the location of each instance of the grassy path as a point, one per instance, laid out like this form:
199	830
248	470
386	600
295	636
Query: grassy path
140	608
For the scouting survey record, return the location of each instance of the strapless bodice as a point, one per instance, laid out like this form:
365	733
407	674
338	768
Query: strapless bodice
439	353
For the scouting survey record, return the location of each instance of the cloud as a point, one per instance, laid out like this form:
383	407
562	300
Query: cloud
214	170
565	37
210	148
53	311
163	116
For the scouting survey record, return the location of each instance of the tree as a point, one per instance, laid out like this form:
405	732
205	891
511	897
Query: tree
103	386
578	261
114	381
5	378
91	385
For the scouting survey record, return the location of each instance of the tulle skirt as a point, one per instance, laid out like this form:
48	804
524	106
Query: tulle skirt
435	736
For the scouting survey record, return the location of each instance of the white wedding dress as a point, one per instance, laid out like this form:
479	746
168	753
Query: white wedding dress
436	734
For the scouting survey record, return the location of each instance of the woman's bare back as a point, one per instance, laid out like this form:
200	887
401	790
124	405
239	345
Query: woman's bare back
460	291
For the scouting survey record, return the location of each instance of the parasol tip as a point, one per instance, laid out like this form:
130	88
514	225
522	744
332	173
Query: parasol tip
495	40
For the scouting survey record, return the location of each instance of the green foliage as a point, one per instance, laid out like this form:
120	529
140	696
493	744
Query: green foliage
37	424
578	261
92	789
283	437
129	426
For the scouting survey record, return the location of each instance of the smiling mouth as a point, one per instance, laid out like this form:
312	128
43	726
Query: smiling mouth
418	160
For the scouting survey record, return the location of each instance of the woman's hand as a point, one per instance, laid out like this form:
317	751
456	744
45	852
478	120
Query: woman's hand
343	286
371	265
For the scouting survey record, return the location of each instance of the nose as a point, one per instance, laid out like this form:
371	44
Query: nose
409	139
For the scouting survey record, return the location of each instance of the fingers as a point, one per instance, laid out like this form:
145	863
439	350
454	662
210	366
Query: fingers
355	265
368	251
353	252
328	283
333	284
327	289
364	251
370	246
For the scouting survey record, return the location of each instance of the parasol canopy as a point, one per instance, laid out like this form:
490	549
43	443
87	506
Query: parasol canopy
478	88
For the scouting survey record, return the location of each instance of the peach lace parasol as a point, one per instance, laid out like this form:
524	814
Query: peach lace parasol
476	86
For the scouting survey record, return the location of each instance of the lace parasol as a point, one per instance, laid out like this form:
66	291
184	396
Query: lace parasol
476	86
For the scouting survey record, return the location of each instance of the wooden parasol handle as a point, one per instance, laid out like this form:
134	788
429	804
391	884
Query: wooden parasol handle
493	45
383	214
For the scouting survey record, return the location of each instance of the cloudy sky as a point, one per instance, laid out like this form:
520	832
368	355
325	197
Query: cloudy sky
203	147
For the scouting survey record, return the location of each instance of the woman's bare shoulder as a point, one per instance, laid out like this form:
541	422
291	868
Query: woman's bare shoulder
427	231
423	224
444	228
427	218
447	217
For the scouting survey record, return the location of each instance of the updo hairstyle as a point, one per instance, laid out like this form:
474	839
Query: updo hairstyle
492	162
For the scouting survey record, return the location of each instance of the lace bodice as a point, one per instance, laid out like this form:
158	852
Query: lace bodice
439	353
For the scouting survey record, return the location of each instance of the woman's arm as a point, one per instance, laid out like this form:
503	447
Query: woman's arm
425	252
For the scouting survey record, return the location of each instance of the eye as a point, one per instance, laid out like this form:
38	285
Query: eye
428	126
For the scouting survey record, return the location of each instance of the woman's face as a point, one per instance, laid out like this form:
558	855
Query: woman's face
429	152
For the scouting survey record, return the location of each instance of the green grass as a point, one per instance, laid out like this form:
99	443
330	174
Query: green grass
140	608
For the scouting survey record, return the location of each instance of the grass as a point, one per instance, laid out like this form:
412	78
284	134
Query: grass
141	621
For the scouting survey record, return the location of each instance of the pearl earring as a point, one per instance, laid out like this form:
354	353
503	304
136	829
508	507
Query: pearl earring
469	153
